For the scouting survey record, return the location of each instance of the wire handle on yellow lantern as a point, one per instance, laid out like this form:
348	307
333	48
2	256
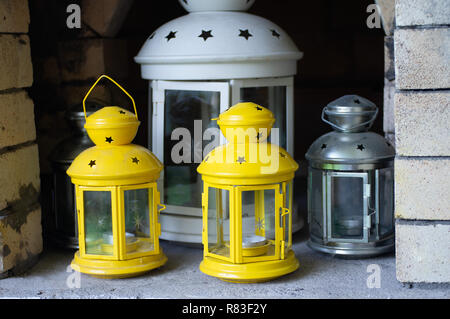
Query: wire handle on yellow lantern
120	87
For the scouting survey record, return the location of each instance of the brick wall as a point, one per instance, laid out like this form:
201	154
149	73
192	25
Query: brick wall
20	212
422	133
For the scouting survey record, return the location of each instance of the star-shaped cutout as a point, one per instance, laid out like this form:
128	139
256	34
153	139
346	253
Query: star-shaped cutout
258	108
323	146
275	33
92	163
245	34
260	224
282	155
360	147
205	35
357	101
121	112
241	159
109	140
135	160
171	35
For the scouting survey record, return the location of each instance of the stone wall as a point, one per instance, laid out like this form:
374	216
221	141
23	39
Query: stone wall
20	212
422	135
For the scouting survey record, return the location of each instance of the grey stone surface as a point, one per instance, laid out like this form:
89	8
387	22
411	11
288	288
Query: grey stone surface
422	12
423	251
388	106
422	188
422	58
319	276
421	123
389	58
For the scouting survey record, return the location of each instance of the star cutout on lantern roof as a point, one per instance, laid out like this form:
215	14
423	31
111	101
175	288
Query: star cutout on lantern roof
121	112
135	160
109	140
323	146
259	108
360	147
205	35
241	159
245	34
275	33
91	163
171	35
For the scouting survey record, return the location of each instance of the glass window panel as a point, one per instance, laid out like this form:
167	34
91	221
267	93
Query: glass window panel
258	223
98	222
347	207
218	222
138	204
315	202
273	98
182	184
386	195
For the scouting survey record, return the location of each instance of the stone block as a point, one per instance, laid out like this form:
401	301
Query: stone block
421	188
422	123
105	17
422	12
15	60
87	59
422	251
17	120
388	106
389	58
14	16
20	240
422	58
19	177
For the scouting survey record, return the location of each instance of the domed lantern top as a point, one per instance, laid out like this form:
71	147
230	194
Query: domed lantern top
350	143
113	161
218	41
248	159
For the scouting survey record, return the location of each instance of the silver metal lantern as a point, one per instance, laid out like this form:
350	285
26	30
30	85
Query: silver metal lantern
64	230
198	65
351	183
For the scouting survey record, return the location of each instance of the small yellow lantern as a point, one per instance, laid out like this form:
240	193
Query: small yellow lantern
247	200
116	198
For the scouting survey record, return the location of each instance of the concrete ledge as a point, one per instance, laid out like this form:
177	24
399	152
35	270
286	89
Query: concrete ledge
422	12
422	251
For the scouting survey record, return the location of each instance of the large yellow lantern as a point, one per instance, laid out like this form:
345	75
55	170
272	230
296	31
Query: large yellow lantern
247	200
116	198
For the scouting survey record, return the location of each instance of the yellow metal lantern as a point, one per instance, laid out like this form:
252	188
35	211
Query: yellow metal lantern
247	200
116	198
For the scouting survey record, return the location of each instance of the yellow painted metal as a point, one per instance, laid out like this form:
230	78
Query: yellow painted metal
115	166
248	163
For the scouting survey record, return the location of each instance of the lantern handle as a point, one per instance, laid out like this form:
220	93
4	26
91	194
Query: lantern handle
350	128
163	207
120	87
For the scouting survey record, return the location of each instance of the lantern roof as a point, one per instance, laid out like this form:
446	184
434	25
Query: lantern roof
113	161
216	40
247	159
115	165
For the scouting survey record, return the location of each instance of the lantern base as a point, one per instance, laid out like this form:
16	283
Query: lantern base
250	272
353	250
115	269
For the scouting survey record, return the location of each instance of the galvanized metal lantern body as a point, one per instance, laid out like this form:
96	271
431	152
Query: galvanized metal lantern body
64	219
198	65
247	200
351	183
116	199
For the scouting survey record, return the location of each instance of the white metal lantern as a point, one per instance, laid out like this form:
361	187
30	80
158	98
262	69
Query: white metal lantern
198	65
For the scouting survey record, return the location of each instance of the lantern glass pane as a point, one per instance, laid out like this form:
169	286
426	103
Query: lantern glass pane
273	98
138	204
191	112
64	204
386	195
315	202
98	222
347	207
219	221
258	222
